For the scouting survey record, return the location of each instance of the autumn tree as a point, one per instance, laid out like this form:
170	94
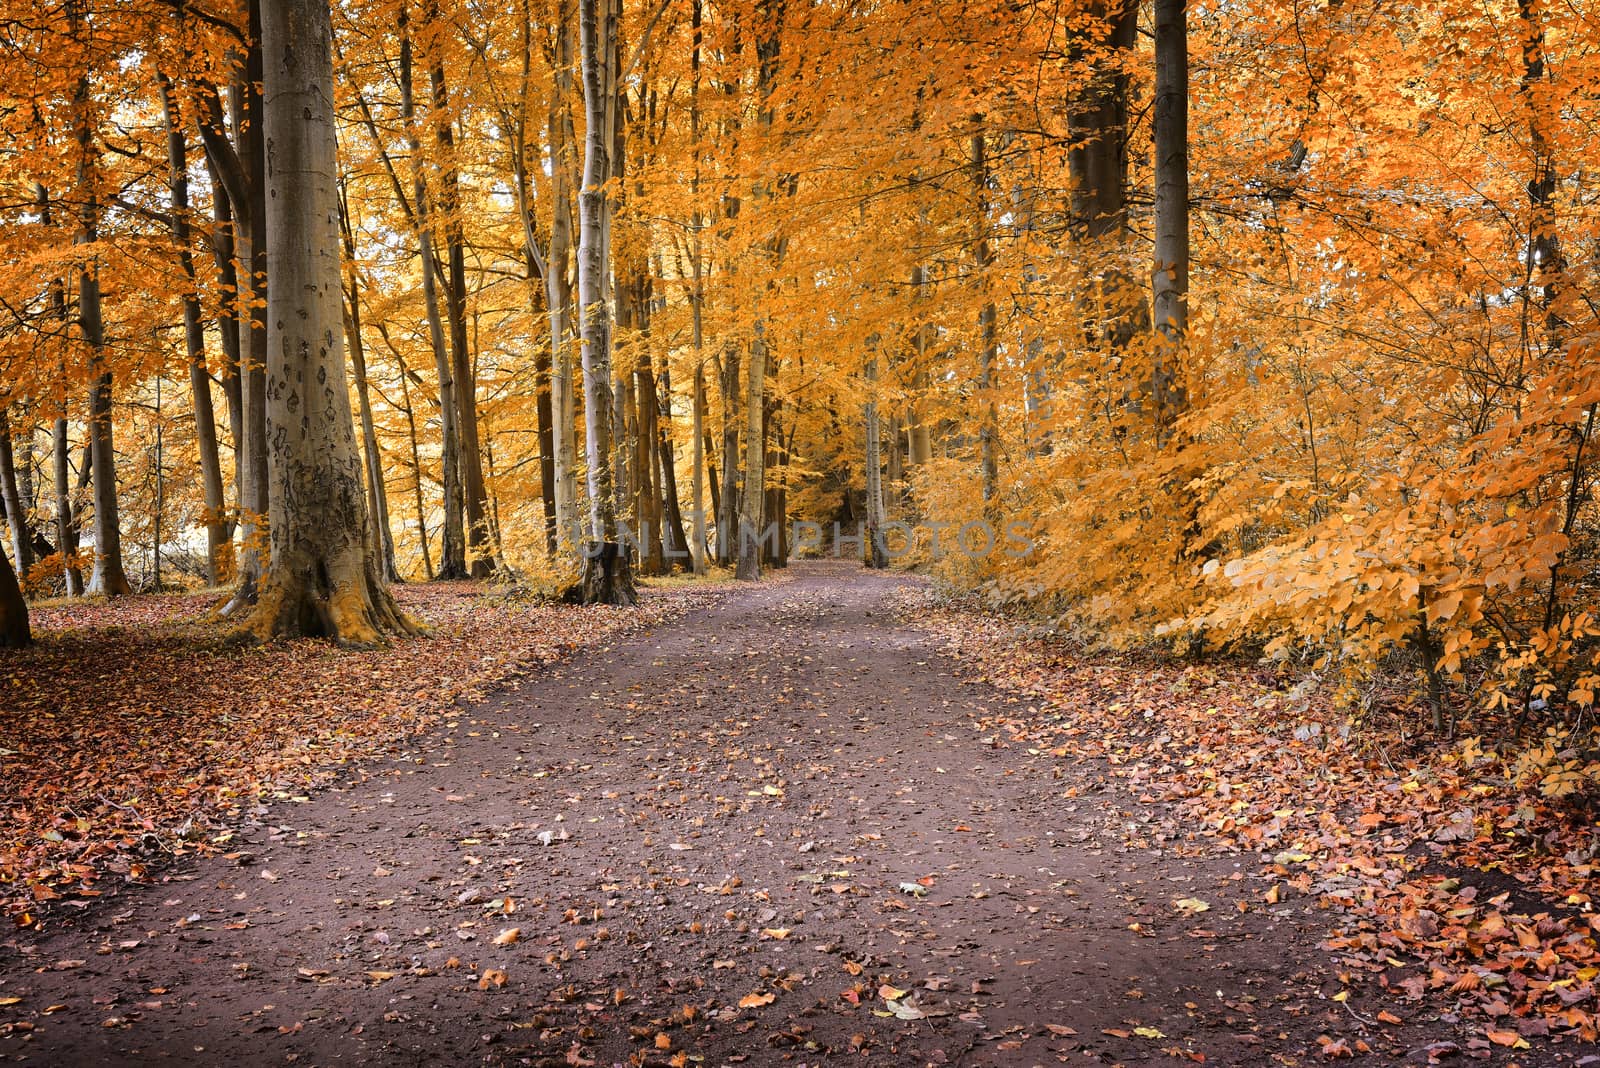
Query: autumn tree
607	571
323	578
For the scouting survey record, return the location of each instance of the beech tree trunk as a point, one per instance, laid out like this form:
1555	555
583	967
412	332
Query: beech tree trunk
1170	278
697	300
558	281
324	579
222	249
416	476
453	545
66	523
728	506
205	419
255	505
988	346
752	504
14	631
1098	120
474	492
607	572
12	504
674	538
108	577
875	556
698	477
919	438
377	491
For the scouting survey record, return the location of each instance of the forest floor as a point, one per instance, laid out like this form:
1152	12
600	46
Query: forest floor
786	824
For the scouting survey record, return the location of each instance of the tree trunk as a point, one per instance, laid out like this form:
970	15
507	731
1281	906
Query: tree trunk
894	465
876	557
66	524
377	491
697	548
752	510
222	249
649	506
697	296
255	505
607	575
752	502
1097	160
14	632
775	514
674	538
988	346
12	505
1170	278
205	419
323	580
728	507
474	494
453	547
558	281
108	577
919	438
416	480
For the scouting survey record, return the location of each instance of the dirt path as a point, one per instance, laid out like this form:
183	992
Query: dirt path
781	801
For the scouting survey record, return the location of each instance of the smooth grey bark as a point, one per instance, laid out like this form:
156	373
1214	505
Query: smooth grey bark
607	574
205	419
469	455
876	517
558	279
12	504
416	471
728	506
222	251
323	578
919	436
1170	277
377	491
697	299
988	345
697	548
108	577
752	504
255	502
66	523
1097	160
673	535
453	547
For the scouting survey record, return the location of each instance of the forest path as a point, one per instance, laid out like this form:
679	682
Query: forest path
784	800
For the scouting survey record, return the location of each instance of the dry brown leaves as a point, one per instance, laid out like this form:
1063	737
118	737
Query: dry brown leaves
132	732
1445	879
